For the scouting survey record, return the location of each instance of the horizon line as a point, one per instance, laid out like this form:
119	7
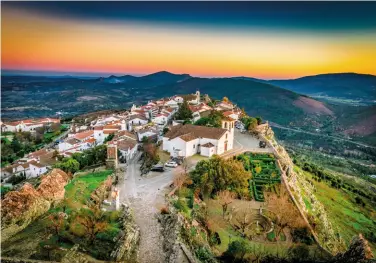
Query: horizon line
77	74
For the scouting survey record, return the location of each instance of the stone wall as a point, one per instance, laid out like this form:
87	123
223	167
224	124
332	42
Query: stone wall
293	182
126	243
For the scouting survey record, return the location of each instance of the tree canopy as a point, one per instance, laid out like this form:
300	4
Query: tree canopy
213	120
184	112
217	174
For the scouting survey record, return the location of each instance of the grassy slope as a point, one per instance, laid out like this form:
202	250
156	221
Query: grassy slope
350	218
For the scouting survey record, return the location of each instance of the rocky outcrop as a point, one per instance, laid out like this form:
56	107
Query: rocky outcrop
358	252
52	186
74	256
127	242
171	225
102	191
20	208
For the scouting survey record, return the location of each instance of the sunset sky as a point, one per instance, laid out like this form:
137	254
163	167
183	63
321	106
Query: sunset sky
256	39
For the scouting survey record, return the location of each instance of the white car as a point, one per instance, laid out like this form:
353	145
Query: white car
171	164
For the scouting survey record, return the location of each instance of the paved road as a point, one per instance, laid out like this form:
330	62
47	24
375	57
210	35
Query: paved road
244	142
275	125
146	197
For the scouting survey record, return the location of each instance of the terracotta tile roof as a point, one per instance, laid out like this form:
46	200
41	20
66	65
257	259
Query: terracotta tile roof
83	135
37	153
35	163
208	145
228	113
198	131
72	141
126	134
188	137
98	128
126	144
111	127
91	140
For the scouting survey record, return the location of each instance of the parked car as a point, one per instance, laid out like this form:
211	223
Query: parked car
171	164
157	169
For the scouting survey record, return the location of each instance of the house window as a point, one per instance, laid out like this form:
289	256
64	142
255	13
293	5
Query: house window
194	146
225	125
226	135
232	125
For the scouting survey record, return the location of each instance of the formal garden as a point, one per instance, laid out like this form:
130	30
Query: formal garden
265	173
224	222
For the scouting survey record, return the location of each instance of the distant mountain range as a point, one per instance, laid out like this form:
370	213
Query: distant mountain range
331	87
276	100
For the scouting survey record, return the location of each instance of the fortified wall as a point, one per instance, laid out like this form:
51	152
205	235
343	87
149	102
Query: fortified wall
324	232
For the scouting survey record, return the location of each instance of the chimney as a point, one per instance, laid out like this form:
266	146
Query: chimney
38	160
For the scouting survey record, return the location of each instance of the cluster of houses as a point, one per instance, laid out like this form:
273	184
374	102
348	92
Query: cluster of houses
26	125
127	129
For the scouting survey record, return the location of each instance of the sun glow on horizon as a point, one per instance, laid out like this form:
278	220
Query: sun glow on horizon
33	41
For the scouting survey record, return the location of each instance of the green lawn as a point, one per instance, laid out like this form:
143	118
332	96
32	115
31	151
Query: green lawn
349	217
80	188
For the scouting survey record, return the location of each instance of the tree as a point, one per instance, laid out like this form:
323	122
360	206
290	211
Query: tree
237	250
109	138
57	223
55	127
252	124
214	119
15	145
242	218
225	198
184	112
259	120
68	165
93	221
286	214
216	174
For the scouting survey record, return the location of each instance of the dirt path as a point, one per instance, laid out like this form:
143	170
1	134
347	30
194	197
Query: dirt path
146	196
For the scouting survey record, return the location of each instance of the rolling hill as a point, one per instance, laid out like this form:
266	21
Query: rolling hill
351	86
25	96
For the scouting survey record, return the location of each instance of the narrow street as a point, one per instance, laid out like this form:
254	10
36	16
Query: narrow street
146	196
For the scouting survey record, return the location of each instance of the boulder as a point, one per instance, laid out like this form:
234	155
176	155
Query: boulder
52	186
20	208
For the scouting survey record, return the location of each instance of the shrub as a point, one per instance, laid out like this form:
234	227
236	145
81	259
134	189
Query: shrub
181	205
76	229
271	236
298	253
204	255
114	216
109	235
302	235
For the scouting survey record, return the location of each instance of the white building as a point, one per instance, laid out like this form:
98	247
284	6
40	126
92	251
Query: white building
187	140
136	120
37	169
127	148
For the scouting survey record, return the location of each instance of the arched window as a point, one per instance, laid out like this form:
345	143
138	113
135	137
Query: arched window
225	125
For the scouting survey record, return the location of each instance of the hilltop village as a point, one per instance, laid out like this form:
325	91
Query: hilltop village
186	178
127	129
